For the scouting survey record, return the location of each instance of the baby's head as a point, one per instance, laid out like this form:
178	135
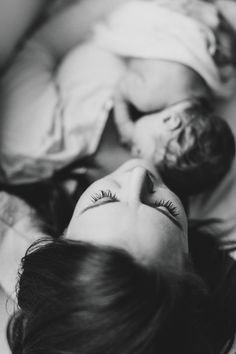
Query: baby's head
191	146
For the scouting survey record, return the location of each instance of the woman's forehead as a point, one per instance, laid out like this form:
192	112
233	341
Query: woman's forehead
117	221
143	232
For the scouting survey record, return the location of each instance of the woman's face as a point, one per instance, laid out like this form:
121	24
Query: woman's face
132	209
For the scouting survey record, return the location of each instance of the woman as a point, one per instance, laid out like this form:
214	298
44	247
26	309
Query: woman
121	279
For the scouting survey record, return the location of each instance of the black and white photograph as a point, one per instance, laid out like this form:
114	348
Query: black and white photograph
117	177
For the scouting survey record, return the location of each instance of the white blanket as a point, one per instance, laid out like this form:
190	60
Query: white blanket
147	30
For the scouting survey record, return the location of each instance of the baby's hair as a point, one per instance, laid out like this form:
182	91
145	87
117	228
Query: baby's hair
201	154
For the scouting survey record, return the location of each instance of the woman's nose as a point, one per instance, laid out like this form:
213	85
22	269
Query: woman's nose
138	185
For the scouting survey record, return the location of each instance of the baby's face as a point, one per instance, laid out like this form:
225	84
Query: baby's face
153	132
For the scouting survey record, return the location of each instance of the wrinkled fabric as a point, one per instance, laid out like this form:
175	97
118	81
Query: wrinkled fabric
50	120
151	30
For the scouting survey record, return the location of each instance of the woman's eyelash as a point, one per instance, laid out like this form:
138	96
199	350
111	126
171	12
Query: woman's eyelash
160	203
103	194
168	205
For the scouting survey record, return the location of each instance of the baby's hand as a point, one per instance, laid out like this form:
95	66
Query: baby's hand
123	121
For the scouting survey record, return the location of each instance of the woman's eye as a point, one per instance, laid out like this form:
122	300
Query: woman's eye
169	205
103	194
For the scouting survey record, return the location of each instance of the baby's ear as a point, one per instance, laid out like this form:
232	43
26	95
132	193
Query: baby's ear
173	121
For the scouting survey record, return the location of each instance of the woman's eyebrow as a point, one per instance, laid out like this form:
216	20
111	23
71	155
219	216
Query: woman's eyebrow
107	201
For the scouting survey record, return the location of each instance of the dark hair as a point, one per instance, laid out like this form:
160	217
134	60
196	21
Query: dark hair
50	199
218	269
201	154
76	297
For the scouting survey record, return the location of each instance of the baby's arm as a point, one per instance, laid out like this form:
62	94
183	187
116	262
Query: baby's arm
124	124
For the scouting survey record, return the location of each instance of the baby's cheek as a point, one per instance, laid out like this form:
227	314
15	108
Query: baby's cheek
144	147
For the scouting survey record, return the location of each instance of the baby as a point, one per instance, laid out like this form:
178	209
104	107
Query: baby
208	147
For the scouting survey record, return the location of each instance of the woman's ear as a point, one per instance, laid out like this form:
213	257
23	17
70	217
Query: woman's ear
173	122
